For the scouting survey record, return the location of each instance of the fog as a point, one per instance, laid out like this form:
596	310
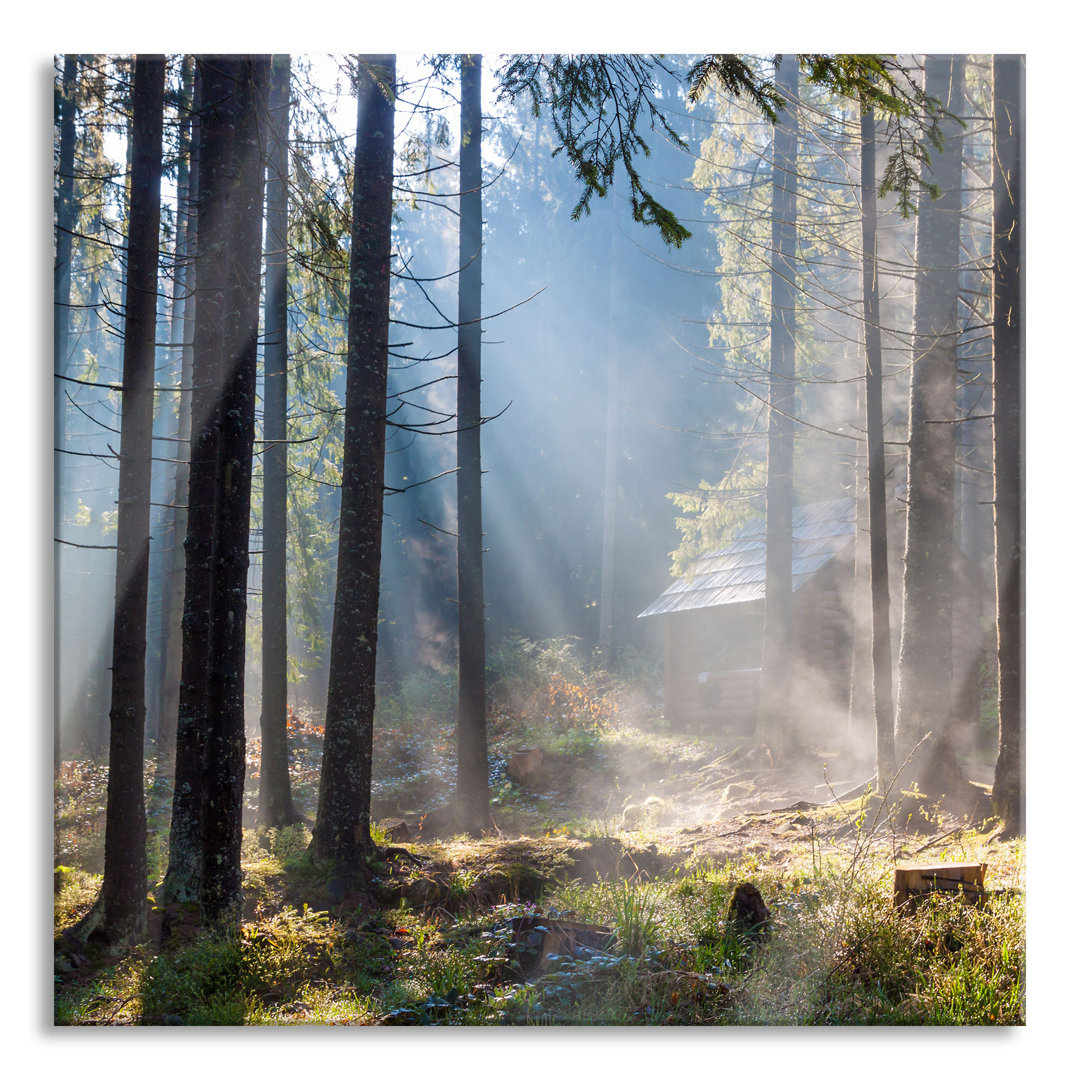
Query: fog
583	319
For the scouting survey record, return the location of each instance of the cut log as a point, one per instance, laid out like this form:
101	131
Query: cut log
913	881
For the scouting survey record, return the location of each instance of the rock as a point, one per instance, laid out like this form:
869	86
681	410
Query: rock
421	891
734	791
66	963
397	831
648	812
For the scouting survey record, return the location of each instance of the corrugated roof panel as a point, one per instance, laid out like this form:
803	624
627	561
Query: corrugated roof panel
735	574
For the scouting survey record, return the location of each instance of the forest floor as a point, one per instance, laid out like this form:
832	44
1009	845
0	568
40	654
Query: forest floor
622	839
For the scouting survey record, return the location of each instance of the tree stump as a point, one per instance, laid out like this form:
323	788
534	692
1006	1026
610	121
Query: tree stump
748	914
913	881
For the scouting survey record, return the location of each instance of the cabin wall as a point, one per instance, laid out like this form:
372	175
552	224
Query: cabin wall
824	631
715	642
726	642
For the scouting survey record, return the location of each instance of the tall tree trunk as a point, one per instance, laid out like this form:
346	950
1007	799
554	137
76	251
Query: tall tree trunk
774	717
472	779
1008	184
222	824
275	796
212	143
860	690
204	851
91	729
881	635
123	887
65	221
183	322
343	827
611	449
925	679
173	519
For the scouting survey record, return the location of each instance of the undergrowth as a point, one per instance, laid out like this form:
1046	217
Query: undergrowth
836	953
454	941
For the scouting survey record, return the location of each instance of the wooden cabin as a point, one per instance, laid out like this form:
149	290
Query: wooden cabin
713	620
713	625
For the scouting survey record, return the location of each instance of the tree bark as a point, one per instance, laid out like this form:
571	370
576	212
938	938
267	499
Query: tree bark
881	635
220	892
774	717
212	139
1008	184
183	308
472	779
925	679
204	853
343	826
611	449
65	220
123	887
275	796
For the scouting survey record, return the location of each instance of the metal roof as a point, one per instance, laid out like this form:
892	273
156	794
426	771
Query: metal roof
736	573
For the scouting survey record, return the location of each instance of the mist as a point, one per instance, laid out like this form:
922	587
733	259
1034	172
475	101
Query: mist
619	372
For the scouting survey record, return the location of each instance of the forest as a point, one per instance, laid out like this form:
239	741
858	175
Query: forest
538	539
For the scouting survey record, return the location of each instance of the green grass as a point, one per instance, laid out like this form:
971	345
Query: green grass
437	949
837	955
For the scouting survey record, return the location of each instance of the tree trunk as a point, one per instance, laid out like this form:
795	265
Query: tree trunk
343	828
472	778
65	220
1009	95
212	151
611	450
222	826
860	690
123	887
275	796
204	853
925	679
172	592
881	635
774	718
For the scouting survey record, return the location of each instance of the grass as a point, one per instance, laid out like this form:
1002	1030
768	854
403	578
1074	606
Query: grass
837	954
436	944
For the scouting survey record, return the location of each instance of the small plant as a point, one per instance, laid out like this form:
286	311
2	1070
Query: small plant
461	882
635	917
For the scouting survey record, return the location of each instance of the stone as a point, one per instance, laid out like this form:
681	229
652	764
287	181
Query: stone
397	830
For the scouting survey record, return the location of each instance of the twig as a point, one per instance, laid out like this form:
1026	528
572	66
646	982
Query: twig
938	839
119	1007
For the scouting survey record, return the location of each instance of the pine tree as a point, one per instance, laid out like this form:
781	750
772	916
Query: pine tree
1008	184
881	633
204	842
119	918
925	674
774	720
342	832
275	796
472	777
65	221
181	323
